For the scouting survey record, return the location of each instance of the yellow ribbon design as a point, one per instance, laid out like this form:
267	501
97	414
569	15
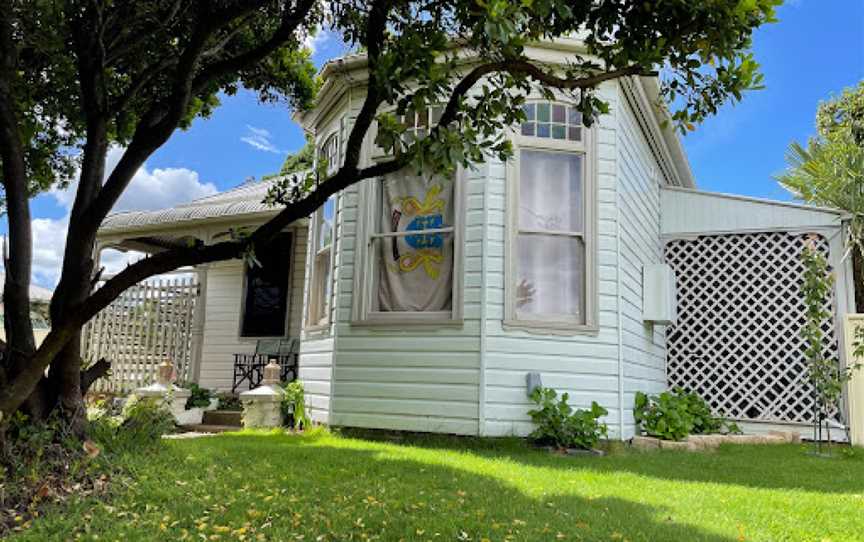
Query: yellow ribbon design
428	258
429	206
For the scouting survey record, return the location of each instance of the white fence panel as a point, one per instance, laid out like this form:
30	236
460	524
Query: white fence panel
147	324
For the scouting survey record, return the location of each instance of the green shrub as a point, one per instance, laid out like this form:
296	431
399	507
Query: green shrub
294	405
664	416
140	426
673	415
231	402
200	397
559	425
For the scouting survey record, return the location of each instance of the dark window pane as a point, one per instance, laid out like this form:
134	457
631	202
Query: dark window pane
558	131
542	130
575	134
528	128
559	113
266	303
575	117
529	111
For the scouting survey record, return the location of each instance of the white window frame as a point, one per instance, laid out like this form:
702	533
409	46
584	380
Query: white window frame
320	304
319	310
586	147
416	129
366	266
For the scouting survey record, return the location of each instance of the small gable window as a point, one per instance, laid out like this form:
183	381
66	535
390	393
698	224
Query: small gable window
418	123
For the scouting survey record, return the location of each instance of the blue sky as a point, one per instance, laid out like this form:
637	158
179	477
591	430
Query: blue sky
815	50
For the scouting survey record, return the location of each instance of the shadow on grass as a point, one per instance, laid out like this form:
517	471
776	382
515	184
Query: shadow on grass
757	466
398	497
341	490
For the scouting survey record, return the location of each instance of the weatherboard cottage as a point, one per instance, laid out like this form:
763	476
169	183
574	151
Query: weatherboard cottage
421	303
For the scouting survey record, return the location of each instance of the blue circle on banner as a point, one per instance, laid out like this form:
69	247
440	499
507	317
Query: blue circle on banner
429	240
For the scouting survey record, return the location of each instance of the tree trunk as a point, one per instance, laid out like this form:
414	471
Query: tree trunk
64	374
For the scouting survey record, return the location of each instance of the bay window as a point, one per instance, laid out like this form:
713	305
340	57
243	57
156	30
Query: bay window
551	209
412	250
321	239
321	282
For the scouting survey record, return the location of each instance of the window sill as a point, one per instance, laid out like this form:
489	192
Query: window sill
406	324
318	329
541	327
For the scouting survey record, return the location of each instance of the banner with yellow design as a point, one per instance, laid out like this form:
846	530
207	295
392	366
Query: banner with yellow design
416	269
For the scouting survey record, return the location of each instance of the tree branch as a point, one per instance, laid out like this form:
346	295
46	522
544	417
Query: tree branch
130	36
157	125
527	68
93	373
291	20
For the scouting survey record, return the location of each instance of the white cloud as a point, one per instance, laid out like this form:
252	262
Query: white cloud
260	139
156	189
49	240
148	190
314	41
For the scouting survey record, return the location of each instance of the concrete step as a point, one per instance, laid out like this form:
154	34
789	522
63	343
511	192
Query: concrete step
223	417
208	428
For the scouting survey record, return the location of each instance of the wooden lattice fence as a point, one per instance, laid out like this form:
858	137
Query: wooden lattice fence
147	324
738	339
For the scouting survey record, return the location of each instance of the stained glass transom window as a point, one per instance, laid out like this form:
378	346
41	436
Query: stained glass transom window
552	121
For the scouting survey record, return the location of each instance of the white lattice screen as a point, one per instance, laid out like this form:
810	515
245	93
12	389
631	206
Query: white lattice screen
740	310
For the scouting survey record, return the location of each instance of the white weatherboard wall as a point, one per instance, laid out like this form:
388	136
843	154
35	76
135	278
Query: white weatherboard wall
411	378
643	344
406	378
318	345
223	309
583	365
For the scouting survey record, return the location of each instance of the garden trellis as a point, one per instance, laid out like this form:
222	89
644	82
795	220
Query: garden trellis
150	323
738	339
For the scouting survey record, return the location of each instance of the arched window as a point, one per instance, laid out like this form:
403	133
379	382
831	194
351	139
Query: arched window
329	152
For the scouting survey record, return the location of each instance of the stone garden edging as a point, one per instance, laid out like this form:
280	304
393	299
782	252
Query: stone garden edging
695	443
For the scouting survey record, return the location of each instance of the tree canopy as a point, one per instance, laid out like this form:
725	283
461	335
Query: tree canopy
829	171
84	75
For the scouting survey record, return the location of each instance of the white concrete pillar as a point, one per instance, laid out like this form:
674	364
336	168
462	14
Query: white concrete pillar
174	397
262	407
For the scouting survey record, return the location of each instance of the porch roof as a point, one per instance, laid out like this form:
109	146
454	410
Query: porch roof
243	201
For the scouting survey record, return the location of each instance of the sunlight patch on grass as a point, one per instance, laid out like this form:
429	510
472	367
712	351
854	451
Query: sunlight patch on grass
274	486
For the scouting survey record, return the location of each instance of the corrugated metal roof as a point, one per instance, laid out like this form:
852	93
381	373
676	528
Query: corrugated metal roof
246	199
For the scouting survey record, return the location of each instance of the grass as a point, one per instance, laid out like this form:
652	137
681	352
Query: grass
323	487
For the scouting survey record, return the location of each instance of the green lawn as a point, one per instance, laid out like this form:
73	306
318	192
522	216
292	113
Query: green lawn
326	487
